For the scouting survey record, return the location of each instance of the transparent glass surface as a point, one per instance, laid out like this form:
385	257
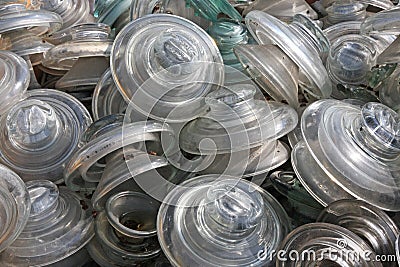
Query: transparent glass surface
282	9
107	99
338	30
211	9
85	73
236	121
380	73
391	54
129	171
121	213
302	41
228	34
39	22
167	75
247	163
398	249
140	8
220	221
356	149
84	170
57	228
368	222
298	203
240	3
384	22
14	206
272	70
40	134
14	79
238	135
322	237
286	183
82	93
122	21
357	92
72	12
381	4
24	43
92	31
126	231
313	178
389	90
345	10
80	41
30	4
350	59
51	75
296	136
108	11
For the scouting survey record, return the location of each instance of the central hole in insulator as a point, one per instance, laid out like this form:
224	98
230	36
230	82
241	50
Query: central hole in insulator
137	222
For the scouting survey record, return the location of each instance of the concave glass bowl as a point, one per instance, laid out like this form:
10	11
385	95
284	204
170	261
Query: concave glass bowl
345	10
126	231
